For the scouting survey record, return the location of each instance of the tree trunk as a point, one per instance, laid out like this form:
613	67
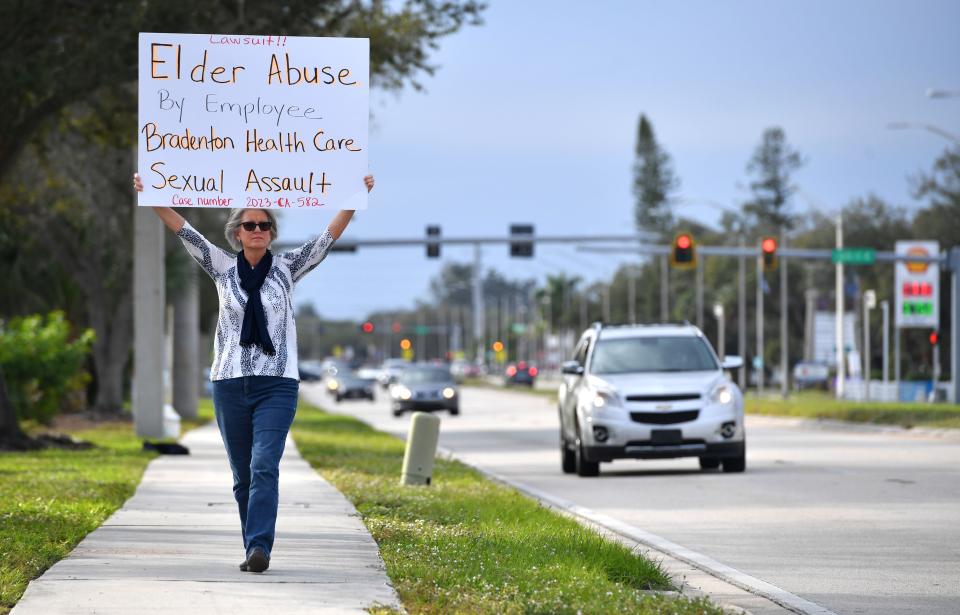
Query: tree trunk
111	350
11	436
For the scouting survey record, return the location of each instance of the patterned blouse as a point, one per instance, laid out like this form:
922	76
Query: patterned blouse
230	360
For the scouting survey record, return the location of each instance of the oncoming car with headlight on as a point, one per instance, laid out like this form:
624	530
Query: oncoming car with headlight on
425	387
649	392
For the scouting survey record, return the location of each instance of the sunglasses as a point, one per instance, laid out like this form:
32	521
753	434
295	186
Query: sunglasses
249	226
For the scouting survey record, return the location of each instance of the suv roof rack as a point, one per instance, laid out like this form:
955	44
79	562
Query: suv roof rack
599	324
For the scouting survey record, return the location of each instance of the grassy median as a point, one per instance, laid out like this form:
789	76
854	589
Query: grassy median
469	545
53	498
813	405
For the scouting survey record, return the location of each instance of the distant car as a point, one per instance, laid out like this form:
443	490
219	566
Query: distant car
424	388
462	369
332	366
649	392
347	385
309	370
520	373
389	371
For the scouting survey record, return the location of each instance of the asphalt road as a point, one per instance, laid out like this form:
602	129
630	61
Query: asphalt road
855	522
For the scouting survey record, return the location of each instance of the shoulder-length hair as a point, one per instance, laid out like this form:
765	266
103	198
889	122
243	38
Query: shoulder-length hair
233	225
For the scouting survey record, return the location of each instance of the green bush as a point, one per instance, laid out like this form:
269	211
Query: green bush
41	364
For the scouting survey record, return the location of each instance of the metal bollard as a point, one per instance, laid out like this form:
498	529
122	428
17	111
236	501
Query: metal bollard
421	449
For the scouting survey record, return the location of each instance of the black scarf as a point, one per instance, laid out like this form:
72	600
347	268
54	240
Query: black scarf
254	331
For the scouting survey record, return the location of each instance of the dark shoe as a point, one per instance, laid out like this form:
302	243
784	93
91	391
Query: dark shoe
244	566
257	561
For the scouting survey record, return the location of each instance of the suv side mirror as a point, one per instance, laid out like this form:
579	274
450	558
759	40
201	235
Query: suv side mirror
572	368
732	362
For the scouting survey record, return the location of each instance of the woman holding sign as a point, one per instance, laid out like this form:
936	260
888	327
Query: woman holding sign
254	372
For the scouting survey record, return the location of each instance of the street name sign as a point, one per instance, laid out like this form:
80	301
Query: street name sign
854	256
253	121
917	286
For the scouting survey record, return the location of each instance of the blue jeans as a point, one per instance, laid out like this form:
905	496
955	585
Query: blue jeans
254	414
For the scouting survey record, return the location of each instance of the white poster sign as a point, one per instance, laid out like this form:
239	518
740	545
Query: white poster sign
253	121
917	287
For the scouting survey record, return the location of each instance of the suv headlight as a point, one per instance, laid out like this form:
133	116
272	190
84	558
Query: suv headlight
722	394
605	399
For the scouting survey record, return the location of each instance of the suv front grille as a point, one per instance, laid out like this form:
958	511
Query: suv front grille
665	397
665	418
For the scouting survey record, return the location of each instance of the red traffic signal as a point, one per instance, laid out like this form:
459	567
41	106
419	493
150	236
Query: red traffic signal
768	249
395	327
934	338
367	327
683	253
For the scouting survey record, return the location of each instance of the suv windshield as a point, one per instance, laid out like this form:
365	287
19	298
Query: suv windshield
652	354
416	375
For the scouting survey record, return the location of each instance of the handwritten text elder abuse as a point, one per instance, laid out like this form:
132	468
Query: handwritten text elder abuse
251	121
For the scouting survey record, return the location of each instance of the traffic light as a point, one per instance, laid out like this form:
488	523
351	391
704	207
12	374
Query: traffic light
497	346
768	251
367	327
395	327
683	253
518	247
934	338
433	249
405	344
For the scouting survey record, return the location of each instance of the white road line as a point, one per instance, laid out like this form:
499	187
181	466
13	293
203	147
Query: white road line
731	575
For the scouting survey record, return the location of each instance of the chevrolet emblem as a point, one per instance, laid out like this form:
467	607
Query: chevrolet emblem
664	407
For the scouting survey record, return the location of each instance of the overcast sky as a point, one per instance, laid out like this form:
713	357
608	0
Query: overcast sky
532	118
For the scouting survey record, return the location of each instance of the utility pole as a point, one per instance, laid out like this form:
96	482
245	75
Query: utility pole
605	297
148	308
664	289
699	293
784	355
632	294
742	315
721	341
953	262
759	361
869	302
841	355
478	315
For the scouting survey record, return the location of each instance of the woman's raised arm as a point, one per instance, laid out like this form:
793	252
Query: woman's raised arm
172	219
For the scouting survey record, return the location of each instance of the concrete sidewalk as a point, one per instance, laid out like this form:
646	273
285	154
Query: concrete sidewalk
175	547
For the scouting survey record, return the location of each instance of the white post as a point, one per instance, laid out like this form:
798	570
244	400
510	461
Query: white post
784	347
841	355
148	343
885	308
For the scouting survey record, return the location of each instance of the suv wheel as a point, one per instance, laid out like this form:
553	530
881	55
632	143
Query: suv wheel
568	461
736	464
582	466
709	463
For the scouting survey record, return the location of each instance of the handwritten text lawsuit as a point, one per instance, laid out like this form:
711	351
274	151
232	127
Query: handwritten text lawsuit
168	61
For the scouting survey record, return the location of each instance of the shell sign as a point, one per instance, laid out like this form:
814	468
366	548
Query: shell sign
917	266
917	286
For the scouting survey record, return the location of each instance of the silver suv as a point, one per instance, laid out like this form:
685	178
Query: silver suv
649	392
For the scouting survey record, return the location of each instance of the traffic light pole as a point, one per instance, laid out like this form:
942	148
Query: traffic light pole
953	262
742	315
759	355
784	356
478	315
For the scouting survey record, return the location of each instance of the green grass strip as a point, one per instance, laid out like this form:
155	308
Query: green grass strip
814	405
469	545
53	498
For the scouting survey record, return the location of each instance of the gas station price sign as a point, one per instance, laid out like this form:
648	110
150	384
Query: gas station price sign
917	286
